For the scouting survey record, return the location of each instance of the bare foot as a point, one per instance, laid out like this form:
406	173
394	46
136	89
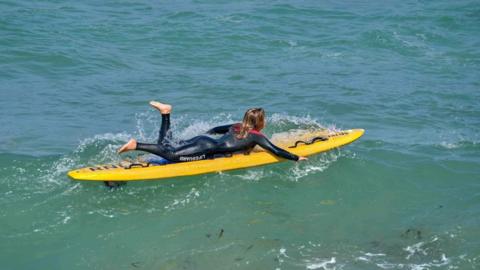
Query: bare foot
163	108
130	145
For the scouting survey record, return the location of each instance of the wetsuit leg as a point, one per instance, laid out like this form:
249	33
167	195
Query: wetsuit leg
198	148
161	150
164	132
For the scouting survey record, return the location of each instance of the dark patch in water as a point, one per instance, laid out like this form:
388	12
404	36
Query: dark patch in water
221	233
249	247
135	264
375	243
412	233
208	235
188	264
114	184
238	259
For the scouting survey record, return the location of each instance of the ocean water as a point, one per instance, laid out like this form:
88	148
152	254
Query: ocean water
76	78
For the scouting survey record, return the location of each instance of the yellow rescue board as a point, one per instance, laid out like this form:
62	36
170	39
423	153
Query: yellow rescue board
145	171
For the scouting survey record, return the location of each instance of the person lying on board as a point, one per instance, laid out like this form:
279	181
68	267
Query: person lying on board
237	138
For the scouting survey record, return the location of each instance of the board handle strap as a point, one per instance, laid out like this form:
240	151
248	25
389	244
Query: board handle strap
314	140
141	165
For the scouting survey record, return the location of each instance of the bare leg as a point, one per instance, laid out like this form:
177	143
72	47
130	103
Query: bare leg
162	107
130	145
165	110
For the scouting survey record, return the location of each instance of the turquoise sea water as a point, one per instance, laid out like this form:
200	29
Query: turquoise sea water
76	78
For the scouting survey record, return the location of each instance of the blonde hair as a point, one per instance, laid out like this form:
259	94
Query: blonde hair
254	118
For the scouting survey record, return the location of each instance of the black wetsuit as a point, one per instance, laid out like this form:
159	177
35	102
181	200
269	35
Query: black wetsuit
204	147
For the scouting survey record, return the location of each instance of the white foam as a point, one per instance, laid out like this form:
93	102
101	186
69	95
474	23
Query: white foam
191	195
374	254
313	165
449	145
415	249
53	175
390	265
283	252
418	248
323	264
193	130
300	121
333	54
435	263
229	18
66	219
360	258
410	41
121	137
146	121
292	43
252	175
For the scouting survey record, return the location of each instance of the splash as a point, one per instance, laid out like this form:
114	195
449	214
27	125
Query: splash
315	165
282	121
325	264
254	175
101	148
431	253
49	173
189	197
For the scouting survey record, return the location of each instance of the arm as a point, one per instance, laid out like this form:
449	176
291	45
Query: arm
270	147
220	129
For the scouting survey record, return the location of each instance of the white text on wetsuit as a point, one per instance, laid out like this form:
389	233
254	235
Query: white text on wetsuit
192	158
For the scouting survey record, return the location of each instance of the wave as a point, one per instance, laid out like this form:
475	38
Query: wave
459	144
50	171
40	184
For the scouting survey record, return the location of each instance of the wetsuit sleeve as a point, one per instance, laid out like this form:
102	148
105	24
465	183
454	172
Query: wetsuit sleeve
220	129
270	147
